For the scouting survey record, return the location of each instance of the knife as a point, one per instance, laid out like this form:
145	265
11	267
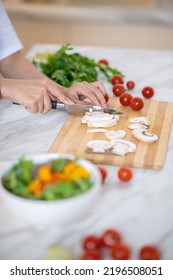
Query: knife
80	110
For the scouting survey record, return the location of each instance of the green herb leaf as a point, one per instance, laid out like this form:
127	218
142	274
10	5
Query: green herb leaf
67	68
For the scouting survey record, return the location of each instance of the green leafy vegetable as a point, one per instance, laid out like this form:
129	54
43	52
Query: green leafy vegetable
16	179
58	164
32	181
68	68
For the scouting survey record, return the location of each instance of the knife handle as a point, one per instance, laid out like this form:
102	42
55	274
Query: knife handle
55	104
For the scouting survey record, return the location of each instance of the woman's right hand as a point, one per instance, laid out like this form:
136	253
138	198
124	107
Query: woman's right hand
35	95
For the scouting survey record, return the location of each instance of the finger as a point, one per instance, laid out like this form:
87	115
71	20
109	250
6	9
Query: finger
59	95
86	102
47	104
100	86
83	101
98	93
32	106
83	89
40	105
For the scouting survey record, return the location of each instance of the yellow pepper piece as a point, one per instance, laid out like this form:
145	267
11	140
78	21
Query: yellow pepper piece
69	167
45	174
81	172
35	186
74	171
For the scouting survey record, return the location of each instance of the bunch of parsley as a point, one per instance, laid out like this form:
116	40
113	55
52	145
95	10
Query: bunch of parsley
67	68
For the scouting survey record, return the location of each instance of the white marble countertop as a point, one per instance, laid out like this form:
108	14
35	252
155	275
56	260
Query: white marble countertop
142	210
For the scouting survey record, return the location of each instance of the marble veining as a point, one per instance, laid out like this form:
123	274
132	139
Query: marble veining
142	210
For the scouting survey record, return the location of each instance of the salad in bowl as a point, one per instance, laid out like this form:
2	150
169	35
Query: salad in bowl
50	188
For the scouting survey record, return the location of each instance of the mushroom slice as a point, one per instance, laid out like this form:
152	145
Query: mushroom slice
96	130
137	125
99	146
115	134
100	119
98	116
144	135
142	120
120	149
130	145
97	108
102	123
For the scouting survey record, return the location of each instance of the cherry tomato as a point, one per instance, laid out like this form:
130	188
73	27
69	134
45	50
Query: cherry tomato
91	255
149	253
110	237
130	84
103	173
118	89
147	92
106	97
136	103
104	61
117	79
120	252
125	98
91	242
125	174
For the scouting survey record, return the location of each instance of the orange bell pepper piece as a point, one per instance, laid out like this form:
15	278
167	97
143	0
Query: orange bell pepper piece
45	174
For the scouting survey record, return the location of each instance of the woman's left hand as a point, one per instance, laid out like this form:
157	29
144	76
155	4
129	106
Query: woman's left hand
87	93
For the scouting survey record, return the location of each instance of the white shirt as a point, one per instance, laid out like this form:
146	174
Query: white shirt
9	41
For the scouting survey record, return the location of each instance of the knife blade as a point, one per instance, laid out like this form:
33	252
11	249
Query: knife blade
80	110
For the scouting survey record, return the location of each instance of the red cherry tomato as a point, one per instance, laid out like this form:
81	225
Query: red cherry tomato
136	103
110	238
149	253
120	252
125	174
117	79
130	84
106	97
91	255
147	92
104	61
91	242
125	98
103	173
118	89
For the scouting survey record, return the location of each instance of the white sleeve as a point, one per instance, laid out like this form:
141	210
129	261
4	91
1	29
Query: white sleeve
9	41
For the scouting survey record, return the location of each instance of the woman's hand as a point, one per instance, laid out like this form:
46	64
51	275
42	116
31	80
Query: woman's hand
35	95
23	83
87	93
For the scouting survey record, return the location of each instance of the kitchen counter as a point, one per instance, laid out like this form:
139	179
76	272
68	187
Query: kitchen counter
142	210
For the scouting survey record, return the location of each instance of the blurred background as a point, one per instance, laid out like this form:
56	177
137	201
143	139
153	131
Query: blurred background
146	24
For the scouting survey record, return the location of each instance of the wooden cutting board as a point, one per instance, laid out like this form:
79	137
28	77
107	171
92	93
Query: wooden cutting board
73	136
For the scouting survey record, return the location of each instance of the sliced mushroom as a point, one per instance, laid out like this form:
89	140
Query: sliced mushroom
130	145
115	134
137	125
95	130
96	108
99	146
120	149
100	119
142	120
97	116
102	123
144	135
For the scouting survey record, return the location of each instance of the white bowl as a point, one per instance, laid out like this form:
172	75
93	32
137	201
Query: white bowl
45	213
